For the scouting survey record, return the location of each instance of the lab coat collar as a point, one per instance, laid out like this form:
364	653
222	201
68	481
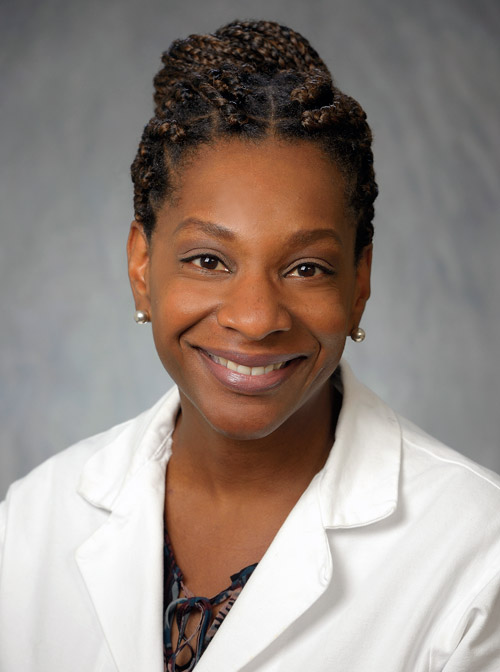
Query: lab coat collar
358	485
360	480
129	447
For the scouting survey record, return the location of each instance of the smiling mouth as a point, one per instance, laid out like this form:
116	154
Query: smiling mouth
251	374
248	370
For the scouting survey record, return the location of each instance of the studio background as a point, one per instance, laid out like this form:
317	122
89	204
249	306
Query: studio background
76	91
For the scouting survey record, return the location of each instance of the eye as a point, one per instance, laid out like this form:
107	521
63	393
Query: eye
208	262
309	270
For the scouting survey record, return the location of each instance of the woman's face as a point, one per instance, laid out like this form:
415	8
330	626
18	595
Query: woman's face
251	284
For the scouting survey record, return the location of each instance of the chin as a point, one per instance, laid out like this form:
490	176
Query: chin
243	431
246	425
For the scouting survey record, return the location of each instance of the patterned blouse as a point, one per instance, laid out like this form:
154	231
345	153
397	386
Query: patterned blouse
204	614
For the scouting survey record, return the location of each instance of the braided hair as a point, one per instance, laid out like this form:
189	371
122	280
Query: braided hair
251	80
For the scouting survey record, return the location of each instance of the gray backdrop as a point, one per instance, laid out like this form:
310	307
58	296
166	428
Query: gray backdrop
75	94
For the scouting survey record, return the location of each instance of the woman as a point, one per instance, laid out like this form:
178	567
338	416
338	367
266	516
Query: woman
365	544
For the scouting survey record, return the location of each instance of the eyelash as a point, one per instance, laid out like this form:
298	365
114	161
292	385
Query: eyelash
323	269
190	260
311	264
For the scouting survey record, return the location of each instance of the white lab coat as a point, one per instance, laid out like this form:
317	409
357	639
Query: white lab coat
390	561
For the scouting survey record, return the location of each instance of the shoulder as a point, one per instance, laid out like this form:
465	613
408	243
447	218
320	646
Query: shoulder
413	450
438	511
100	461
62	471
450	505
46	501
447	470
381	464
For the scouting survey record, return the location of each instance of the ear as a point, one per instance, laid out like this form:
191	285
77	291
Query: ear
363	287
138	255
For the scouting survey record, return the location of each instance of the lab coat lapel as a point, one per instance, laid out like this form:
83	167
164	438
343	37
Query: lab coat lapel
122	562
292	575
122	566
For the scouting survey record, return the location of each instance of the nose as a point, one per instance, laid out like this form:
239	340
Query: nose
252	306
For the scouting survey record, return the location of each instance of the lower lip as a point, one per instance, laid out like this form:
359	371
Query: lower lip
241	382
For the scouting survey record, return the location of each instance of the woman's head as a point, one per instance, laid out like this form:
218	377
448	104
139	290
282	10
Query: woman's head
251	81
251	246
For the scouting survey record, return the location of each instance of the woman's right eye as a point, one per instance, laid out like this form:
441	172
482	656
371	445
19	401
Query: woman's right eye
208	262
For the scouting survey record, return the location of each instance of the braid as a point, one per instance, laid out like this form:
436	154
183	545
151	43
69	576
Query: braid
251	79
270	46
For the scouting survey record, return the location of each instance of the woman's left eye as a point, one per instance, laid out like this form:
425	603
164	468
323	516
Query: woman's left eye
208	262
308	270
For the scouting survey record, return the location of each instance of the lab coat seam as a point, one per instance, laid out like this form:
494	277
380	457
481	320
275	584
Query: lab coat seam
457	463
3	533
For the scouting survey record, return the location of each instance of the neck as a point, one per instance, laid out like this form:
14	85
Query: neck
284	461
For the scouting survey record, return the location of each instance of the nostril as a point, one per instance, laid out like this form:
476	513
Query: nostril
255	319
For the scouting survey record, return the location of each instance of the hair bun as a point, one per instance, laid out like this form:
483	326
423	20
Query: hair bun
250	46
270	46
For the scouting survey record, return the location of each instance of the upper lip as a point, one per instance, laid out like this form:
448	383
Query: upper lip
262	359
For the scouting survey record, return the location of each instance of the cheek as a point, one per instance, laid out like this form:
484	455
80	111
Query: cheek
176	303
176	307
327	319
326	316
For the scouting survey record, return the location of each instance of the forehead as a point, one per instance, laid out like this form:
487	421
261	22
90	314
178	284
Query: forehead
273	184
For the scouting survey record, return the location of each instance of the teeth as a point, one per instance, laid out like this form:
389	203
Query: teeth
247	370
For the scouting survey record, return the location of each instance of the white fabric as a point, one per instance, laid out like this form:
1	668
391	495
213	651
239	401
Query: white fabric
389	562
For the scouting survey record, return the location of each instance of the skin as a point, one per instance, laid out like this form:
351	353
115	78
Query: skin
275	279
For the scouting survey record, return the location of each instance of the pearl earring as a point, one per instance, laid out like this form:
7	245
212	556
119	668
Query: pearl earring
358	335
141	317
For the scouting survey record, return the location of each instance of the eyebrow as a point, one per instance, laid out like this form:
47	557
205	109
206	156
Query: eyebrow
211	228
303	238
297	239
